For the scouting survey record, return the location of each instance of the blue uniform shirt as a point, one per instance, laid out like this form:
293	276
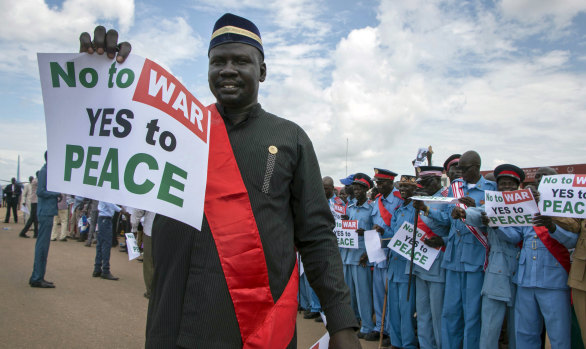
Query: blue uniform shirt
397	263
463	250
537	266
392	202
436	273
363	214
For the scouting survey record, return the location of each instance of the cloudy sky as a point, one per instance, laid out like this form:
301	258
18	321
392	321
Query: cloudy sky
505	77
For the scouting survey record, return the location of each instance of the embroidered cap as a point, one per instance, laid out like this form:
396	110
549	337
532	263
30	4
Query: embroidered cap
406	179
452	160
434	171
231	28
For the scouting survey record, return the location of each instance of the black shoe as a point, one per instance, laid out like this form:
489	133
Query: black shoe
97	274
386	342
311	315
42	284
319	319
372	336
362	334
23	236
49	282
306	311
109	276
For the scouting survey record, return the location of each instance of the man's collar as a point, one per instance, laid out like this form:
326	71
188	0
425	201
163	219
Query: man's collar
253	112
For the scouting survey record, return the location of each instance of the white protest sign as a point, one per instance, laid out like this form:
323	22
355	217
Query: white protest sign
132	247
373	247
563	195
345	231
402	241
436	199
510	208
129	134
337	210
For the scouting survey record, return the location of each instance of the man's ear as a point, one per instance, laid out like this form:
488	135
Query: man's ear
263	72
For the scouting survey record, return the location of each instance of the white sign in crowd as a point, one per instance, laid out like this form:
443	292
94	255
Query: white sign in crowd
563	195
128	134
510	208
402	241
345	231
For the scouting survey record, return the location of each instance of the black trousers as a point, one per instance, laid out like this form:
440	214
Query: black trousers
32	219
11	203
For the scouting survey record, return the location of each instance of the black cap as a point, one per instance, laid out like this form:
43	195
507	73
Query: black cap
508	170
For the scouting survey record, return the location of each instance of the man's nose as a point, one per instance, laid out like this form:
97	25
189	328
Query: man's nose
228	69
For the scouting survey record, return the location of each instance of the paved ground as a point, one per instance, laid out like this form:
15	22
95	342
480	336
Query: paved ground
82	311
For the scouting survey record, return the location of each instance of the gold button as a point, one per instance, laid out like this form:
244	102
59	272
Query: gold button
534	257
535	236
273	149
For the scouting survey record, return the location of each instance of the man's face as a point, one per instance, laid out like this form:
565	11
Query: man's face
329	189
359	191
430	184
343	195
507	184
385	186
469	170
540	173
349	191
13	180
454	172
234	72
406	190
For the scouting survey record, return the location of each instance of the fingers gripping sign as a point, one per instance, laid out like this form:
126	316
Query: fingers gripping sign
104	42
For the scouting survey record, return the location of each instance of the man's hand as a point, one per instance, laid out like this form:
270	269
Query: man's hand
544	221
363	260
468	201
458	213
345	217
378	229
434	241
345	339
104	42
484	219
360	232
419	205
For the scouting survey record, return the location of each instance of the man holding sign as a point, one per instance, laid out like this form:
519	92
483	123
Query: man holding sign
498	290
234	283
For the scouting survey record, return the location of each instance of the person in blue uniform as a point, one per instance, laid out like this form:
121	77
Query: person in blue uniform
400	311
430	284
383	208
542	291
356	265
498	290
464	258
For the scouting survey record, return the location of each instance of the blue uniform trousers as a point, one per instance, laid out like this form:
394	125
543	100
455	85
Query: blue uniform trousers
42	248
361	280
400	315
429	301
532	307
314	304
461	313
102	262
304	297
379	279
349	281
493	315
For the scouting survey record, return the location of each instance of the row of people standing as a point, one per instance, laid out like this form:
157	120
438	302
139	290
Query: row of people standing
480	274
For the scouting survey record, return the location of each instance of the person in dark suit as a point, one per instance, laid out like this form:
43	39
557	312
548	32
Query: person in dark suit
12	193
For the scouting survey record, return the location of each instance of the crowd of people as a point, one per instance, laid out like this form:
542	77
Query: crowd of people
62	217
487	283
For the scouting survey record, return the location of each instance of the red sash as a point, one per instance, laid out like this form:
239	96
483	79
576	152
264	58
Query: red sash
428	232
384	213
263	324
559	251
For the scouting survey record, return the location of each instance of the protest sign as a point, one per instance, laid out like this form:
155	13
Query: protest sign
510	208
436	199
129	134
563	195
373	247
345	231
402	242
322	343
132	246
337	210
